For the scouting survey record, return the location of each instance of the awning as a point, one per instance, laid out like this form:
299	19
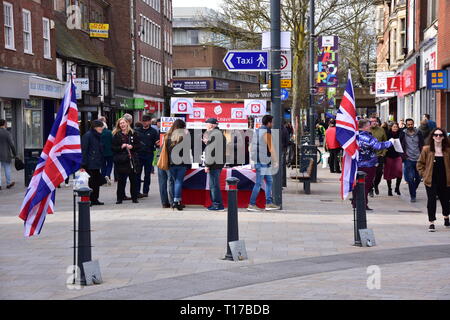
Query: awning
70	44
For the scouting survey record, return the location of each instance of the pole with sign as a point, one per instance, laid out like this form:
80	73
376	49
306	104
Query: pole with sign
244	60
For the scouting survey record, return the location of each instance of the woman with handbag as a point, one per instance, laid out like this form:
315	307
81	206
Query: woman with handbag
393	167
434	167
125	146
177	162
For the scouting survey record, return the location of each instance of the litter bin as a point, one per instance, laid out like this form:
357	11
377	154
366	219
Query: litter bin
307	152
31	159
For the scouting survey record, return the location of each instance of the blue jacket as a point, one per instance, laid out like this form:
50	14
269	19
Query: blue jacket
368	145
92	149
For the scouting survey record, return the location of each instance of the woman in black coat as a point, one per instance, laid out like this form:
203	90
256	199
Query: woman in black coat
125	146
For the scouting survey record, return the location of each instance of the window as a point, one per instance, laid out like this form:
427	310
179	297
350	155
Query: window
94	81
27	38
8	17
402	35
107	83
46	36
431	11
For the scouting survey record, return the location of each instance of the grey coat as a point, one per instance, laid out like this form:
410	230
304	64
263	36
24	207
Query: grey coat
6	146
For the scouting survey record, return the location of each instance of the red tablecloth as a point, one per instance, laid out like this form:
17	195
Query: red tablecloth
196	188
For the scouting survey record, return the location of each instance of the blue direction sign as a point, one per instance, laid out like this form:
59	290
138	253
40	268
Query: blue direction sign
247	60
284	94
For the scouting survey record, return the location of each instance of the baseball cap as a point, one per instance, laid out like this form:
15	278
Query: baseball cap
212	121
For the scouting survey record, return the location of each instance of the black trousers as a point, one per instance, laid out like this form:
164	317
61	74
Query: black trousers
333	160
122	182
379	173
94	183
443	193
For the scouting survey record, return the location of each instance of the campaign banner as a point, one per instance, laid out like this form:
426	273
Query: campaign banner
230	116
255	107
327	61
258	123
167	122
181	105
381	84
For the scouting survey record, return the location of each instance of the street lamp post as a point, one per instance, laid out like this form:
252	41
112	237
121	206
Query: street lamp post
311	72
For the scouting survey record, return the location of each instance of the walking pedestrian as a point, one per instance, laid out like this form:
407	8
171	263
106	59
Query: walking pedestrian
412	144
425	130
6	148
164	180
148	138
431	123
380	134
214	162
92	150
368	160
434	166
178	159
320	133
125	146
333	147
393	168
265	159
106	139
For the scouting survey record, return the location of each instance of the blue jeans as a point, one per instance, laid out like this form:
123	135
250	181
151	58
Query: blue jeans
145	162
177	176
262	172
411	176
165	194
214	187
7	168
107	166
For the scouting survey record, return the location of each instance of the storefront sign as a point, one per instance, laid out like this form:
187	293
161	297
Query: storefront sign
327	62
408	80
82	84
221	85
381	84
428	62
192	85
437	80
181	105
98	30
393	84
230	116
152	106
41	87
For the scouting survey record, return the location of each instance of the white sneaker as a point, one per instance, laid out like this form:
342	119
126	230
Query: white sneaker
253	208
67	185
270	207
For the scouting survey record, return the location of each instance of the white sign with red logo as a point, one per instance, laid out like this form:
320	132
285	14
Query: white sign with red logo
258	123
255	107
393	84
181	105
230	116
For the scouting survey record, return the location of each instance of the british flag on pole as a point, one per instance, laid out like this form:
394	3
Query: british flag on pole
60	157
346	134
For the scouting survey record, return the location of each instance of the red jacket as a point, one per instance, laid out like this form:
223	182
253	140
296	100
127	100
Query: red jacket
330	138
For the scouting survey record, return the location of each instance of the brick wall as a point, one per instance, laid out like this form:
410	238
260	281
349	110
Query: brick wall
443	61
17	59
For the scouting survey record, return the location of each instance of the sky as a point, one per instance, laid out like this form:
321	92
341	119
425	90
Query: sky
213	4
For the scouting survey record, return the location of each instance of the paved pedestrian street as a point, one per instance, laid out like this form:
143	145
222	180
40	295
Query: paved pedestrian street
304	251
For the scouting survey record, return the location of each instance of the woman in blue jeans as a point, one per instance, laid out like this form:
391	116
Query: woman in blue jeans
179	161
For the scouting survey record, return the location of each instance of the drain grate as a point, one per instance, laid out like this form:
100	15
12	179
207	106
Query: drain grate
413	211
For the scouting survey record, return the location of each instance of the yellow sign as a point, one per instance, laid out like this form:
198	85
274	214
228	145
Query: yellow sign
285	83
98	30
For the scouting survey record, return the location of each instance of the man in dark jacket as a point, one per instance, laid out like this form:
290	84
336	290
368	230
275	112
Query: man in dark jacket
148	137
6	148
412	142
91	146
214	160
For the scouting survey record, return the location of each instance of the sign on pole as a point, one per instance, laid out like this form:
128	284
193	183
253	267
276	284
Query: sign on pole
181	105
257	60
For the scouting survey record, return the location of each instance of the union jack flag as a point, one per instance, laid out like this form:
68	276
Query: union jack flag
346	134
60	157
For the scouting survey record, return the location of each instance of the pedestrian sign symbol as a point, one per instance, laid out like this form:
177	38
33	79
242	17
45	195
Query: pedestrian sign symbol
261	61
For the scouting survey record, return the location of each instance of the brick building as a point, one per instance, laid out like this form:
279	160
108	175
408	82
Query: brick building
443	62
198	57
141	48
29	91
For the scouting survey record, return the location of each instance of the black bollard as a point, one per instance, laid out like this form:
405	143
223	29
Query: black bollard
359	205
84	231
232	224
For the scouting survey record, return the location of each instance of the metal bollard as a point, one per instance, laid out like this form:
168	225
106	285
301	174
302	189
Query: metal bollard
232	224
84	231
359	206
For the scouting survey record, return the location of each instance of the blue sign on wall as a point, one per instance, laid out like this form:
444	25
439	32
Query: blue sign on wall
284	94
247	60
192	85
437	79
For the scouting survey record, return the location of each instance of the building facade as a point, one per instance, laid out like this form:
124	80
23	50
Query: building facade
29	90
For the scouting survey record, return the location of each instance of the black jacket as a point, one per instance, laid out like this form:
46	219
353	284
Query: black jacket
92	150
148	138
215	148
120	154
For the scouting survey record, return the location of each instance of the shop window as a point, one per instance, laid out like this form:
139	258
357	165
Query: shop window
33	124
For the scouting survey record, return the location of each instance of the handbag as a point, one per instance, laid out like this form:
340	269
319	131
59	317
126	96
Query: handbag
121	158
163	162
19	164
